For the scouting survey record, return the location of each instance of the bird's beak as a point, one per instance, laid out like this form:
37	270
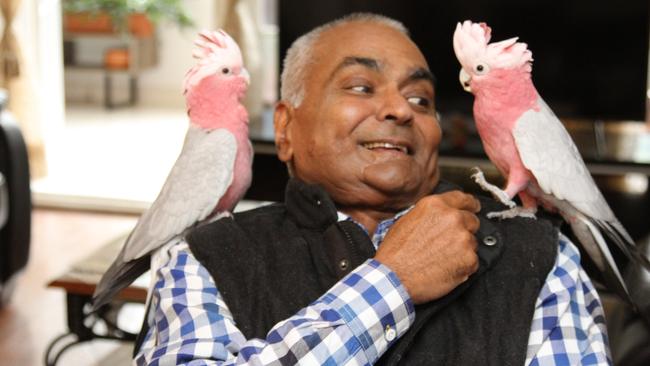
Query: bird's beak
244	74
465	80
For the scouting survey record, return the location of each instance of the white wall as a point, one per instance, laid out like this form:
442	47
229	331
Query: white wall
50	65
162	85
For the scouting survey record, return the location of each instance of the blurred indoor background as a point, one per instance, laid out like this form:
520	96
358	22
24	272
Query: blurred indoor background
102	115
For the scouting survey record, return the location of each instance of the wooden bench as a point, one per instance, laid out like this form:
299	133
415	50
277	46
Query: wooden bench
79	285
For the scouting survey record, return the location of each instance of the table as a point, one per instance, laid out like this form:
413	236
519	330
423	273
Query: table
79	285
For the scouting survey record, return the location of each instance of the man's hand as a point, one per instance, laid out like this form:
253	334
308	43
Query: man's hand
432	249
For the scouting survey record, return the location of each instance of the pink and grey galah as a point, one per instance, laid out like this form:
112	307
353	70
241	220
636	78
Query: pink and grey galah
531	148
212	172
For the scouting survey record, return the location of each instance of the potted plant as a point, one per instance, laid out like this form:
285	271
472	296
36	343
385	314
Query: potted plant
135	16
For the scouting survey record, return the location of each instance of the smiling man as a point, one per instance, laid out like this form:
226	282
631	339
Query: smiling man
337	135
371	259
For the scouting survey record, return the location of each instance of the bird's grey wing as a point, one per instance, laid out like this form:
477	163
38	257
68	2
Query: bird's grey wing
196	183
547	150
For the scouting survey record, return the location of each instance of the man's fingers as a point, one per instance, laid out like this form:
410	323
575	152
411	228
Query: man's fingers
472	223
462	201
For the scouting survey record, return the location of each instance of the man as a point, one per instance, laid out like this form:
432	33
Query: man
362	264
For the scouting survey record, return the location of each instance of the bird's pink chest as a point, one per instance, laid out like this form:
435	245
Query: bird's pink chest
242	175
497	110
495	130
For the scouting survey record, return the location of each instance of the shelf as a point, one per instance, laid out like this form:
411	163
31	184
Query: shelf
111	36
143	52
142	55
92	67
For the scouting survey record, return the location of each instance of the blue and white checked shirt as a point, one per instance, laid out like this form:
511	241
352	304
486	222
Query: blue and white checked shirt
354	322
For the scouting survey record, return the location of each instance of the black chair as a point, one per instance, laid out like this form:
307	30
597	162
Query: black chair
629	332
15	202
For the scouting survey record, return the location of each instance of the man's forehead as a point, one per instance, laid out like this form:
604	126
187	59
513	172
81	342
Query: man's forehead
413	73
354	36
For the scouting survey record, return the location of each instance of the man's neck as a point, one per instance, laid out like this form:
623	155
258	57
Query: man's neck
368	218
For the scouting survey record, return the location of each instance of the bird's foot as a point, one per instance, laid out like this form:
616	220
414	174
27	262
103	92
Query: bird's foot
513	212
217	216
499	194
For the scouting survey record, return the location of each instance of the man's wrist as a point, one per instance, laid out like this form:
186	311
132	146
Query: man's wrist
374	304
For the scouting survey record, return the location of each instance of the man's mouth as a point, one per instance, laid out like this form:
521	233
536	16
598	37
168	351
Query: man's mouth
386	145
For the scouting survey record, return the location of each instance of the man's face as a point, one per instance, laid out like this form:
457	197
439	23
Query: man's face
367	129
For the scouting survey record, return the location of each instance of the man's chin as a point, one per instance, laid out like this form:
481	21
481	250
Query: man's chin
391	178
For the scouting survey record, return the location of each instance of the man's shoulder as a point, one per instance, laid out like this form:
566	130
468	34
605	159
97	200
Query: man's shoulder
237	236
259	220
528	242
273	211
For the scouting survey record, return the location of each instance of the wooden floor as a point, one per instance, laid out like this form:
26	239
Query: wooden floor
36	314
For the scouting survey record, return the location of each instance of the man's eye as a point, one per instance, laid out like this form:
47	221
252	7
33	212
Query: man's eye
419	101
361	89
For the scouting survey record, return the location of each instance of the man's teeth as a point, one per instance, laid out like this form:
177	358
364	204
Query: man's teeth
385	145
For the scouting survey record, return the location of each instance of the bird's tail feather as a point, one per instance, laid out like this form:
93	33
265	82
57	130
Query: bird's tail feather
608	262
118	277
621	231
622	239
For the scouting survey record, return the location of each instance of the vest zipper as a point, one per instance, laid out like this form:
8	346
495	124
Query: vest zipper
353	250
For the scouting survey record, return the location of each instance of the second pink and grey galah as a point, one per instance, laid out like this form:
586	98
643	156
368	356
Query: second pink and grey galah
212	172
531	148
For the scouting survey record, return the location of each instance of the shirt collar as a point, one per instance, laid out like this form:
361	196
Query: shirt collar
382	228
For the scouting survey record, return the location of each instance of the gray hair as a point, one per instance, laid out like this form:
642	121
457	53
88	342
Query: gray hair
300	54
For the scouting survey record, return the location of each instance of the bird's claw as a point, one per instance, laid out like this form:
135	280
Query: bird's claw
513	212
497	192
477	174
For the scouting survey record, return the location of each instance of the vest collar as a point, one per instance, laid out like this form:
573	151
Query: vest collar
312	208
309	205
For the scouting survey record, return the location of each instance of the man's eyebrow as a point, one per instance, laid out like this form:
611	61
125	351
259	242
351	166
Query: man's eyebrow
368	62
422	74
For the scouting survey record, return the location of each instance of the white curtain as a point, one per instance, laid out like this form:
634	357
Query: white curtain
237	17
9	65
23	100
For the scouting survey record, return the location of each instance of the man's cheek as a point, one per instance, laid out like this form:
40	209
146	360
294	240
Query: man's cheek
351	113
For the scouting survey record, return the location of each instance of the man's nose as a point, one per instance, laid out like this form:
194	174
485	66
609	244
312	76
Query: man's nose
395	108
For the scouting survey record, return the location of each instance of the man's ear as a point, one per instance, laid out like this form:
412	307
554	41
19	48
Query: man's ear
282	122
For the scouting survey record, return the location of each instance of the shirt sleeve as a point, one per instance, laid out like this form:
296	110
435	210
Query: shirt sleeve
568	326
353	323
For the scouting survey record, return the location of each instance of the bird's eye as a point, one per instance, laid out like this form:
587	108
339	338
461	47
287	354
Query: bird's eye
481	69
225	70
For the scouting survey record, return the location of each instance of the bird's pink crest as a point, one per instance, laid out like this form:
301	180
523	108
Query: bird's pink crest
471	45
216	84
214	49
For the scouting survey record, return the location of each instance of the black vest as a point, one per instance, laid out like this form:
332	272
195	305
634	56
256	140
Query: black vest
270	262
